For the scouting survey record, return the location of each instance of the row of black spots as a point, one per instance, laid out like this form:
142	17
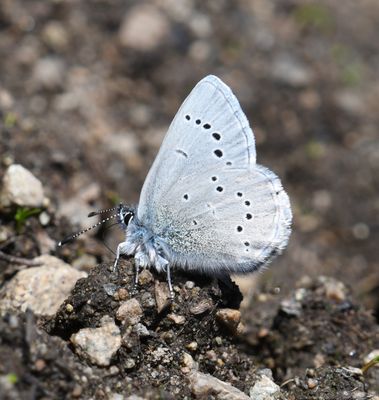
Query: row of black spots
198	122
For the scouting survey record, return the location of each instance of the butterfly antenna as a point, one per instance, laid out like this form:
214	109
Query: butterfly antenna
93	213
75	235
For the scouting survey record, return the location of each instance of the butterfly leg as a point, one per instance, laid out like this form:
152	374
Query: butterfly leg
168	272
118	251
136	274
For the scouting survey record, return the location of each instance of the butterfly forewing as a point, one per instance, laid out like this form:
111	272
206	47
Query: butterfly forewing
209	130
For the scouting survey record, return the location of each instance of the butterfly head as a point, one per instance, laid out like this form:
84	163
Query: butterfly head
124	215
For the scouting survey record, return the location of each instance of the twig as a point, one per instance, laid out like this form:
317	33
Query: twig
18	260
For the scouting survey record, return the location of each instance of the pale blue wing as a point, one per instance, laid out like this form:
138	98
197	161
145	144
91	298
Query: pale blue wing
206	197
209	130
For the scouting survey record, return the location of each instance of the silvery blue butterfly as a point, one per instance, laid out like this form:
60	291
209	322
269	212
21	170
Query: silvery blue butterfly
206	206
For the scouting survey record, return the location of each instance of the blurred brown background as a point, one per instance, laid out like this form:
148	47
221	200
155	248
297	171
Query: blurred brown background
88	89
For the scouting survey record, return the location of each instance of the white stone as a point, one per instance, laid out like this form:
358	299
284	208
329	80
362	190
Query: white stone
21	187
41	289
130	312
49	73
98	345
144	28
203	385
265	389
291	71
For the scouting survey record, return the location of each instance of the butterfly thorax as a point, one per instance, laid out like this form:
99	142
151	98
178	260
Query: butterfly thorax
148	249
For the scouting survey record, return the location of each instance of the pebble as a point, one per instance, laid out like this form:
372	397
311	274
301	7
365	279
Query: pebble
69	308
192	346
162	296
211	355
291	307
49	73
130	312
264	389
201	307
207	386
176	319
98	345
229	317
334	289
44	218
42	289
110	289
189	285
144	28
129	363
145	277
21	187
287	69
55	35
141	330
312	383
85	262
188	362
121	294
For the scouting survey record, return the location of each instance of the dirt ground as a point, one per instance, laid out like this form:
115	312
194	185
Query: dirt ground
86	96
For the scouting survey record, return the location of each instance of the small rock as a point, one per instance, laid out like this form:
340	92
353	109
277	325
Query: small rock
49	72
55	35
144	28
312	383
162	296
229	317
145	277
319	360
110	289
141	330
129	363
6	99
192	346
291	307
201	307
44	218
334	289
189	285
121	294
264	389
98	345
161	355
77	391
69	308
42	289
218	340
211	355
291	71
85	262
352	371
130	312
188	361
176	319
21	187
202	385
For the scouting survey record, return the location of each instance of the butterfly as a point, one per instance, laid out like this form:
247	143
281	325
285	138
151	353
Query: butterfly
206	206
